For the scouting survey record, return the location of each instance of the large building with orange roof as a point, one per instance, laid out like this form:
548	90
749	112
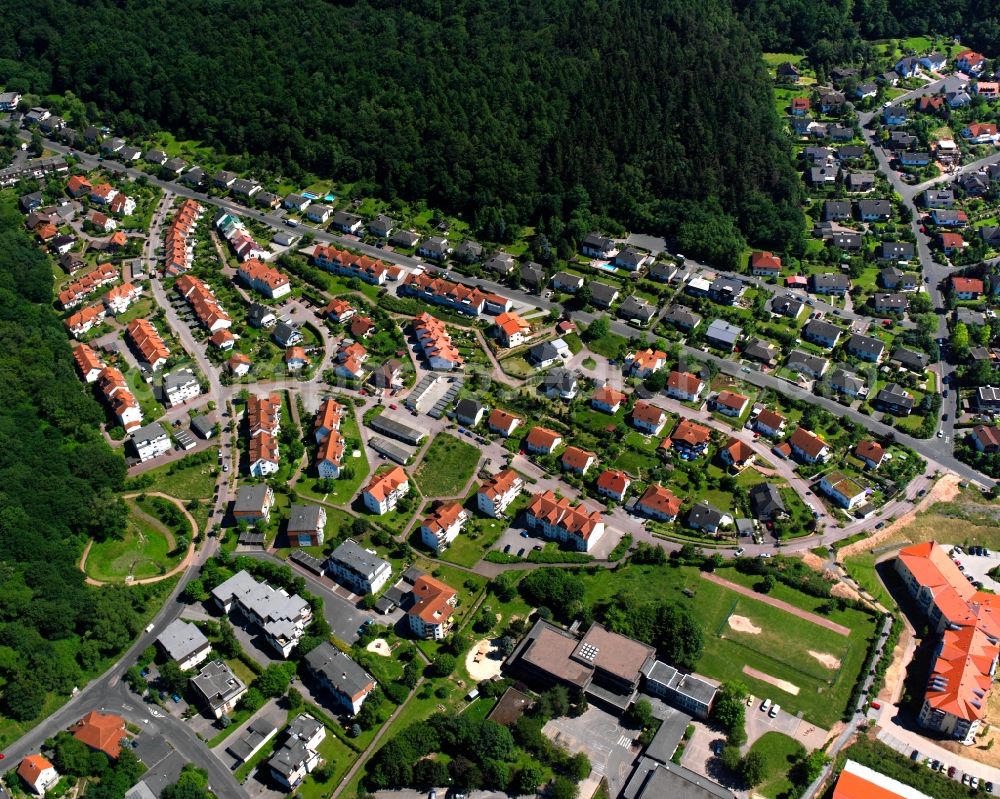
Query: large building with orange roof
74	293
967	654
430	615
178	243
102	732
87	362
559	520
511	329
860	782
111	383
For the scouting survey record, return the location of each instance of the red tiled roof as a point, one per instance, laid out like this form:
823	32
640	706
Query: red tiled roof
613	481
576	458
542	438
609	396
501	483
684	381
502	420
764	260
967	284
739	452
661	500
807	441
691	433
647	413
434	600
384	484
870	450
31	768
730	399
101	731
770	419
575	520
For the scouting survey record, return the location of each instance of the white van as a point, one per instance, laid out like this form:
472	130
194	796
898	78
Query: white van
775	709
766	705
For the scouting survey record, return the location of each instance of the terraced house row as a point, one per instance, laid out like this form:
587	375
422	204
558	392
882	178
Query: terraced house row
178	242
147	342
349	264
263	426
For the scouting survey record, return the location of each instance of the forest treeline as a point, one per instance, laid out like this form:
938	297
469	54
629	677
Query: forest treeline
833	31
652	114
58	485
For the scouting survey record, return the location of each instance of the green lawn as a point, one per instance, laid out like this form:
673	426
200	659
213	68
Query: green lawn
862	570
142	552
189	478
780	650
334	751
779	752
447	466
609	346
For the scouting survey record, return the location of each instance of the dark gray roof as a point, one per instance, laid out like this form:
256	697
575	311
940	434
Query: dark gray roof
799	360
766	501
250	498
532	273
875	208
847	382
916	361
217	683
682	317
636	308
705	514
468	408
357	558
817	328
831	280
203	425
787	306
760	350
253	737
303	518
561	379
338	669
602	293
866	344
897	250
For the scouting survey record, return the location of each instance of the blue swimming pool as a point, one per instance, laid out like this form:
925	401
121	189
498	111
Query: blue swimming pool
309	195
605	267
329	198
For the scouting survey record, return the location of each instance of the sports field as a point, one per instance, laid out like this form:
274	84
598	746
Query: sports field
802	665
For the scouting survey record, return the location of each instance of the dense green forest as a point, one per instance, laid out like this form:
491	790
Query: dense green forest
832	31
58	484
654	113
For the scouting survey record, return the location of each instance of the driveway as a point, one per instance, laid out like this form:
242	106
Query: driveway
611	748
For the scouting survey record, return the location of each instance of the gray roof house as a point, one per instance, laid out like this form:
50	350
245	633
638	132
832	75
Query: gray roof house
910	359
637	309
559	383
469	412
681	317
761	350
184	643
722	334
532	275
218	688
340	675
766	502
705	516
382	226
502	263
867	348
897	251
258	733
804	363
847	383
602	294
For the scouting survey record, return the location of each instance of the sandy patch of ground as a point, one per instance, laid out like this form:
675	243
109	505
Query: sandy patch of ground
828	660
743	625
838	589
483	661
944	490
380	647
784	685
892	688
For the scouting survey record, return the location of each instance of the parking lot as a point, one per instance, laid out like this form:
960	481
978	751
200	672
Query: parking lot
518	541
978	565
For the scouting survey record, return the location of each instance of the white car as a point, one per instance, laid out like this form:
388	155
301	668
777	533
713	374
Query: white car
775	709
765	705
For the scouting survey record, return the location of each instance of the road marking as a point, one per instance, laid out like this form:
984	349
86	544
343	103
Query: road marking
127	707
625	741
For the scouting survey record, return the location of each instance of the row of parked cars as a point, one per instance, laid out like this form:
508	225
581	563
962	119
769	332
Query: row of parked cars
967	779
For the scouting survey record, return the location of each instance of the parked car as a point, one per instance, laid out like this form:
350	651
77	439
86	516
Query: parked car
951	771
775	710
